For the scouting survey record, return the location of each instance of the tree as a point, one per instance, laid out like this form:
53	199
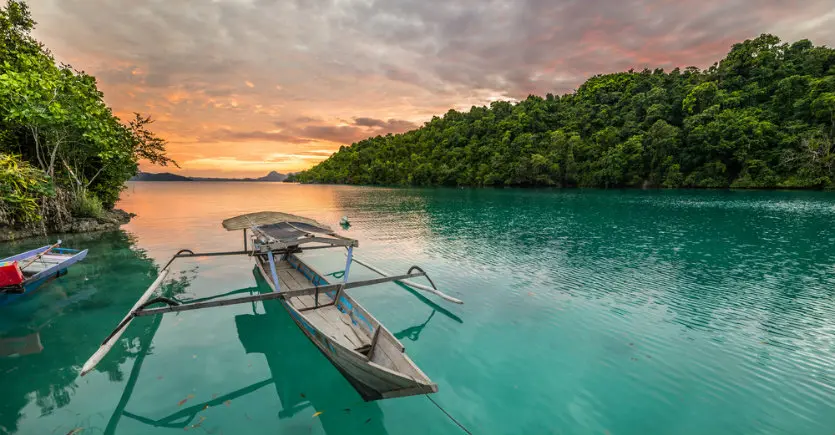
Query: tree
55	118
762	117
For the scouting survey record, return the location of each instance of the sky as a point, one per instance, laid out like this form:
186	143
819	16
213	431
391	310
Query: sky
244	87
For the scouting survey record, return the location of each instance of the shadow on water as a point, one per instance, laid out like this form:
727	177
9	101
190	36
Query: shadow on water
413	332
301	377
45	339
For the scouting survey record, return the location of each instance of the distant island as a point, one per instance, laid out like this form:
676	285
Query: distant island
167	176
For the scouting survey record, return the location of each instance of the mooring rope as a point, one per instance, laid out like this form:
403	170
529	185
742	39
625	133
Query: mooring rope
449	415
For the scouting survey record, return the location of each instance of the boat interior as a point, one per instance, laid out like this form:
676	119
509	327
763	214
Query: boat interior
344	321
43	263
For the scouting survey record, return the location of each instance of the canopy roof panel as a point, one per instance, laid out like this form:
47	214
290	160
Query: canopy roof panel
264	218
276	230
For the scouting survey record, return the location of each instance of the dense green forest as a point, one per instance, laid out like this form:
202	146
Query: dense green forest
763	117
62	150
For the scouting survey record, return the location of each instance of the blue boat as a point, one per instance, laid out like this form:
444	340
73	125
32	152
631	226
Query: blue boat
39	266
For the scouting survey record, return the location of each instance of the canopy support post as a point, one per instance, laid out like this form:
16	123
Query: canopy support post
244	239
272	271
348	263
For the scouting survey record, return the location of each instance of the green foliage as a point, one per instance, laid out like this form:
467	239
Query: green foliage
21	188
87	205
763	117
55	118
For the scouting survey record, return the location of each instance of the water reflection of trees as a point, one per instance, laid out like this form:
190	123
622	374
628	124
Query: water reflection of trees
71	316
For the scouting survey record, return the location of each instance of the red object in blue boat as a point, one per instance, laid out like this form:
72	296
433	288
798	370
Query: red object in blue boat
10	274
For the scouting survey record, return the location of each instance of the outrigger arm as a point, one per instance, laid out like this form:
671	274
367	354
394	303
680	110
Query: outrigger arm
140	307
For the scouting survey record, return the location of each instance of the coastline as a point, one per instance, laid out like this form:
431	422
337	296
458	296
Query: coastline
111	220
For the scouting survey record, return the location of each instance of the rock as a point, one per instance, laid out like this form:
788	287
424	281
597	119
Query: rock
111	220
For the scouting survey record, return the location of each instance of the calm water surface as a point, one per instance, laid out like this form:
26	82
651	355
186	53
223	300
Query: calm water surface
586	312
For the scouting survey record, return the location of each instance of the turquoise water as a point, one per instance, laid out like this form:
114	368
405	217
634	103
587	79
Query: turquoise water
586	312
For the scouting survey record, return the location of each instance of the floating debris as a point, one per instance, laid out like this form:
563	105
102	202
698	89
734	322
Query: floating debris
196	425
182	402
367	421
227	403
75	431
318	413
303	396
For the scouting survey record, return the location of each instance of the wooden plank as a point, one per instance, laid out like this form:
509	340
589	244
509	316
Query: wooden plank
395	355
323	326
284	265
329	316
356	332
288	281
299	277
310	268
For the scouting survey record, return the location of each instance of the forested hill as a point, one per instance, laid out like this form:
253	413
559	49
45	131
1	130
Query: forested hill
763	117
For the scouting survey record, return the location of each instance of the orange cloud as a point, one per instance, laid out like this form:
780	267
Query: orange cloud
323	80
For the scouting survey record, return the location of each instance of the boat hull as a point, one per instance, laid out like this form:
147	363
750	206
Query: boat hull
35	282
370	380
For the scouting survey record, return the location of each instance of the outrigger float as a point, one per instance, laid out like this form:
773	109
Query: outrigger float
366	353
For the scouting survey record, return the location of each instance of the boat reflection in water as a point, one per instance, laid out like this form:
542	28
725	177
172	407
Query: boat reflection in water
413	332
300	385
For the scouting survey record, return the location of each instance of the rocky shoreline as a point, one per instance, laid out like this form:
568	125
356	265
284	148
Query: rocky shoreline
111	220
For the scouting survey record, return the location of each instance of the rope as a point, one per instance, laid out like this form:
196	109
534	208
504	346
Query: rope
448	415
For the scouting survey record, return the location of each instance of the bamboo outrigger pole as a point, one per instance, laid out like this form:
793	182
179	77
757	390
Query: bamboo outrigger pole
111	340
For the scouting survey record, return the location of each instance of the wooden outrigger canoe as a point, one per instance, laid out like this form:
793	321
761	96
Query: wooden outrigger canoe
366	353
38	267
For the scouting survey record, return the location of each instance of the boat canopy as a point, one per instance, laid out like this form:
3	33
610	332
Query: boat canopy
263	218
276	230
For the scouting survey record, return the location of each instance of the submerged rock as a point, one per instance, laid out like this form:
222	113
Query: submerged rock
109	221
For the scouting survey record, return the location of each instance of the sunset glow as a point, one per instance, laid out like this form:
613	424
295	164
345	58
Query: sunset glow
244	87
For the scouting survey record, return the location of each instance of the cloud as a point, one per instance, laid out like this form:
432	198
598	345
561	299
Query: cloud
310	129
234	70
504	45
227	135
392	125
